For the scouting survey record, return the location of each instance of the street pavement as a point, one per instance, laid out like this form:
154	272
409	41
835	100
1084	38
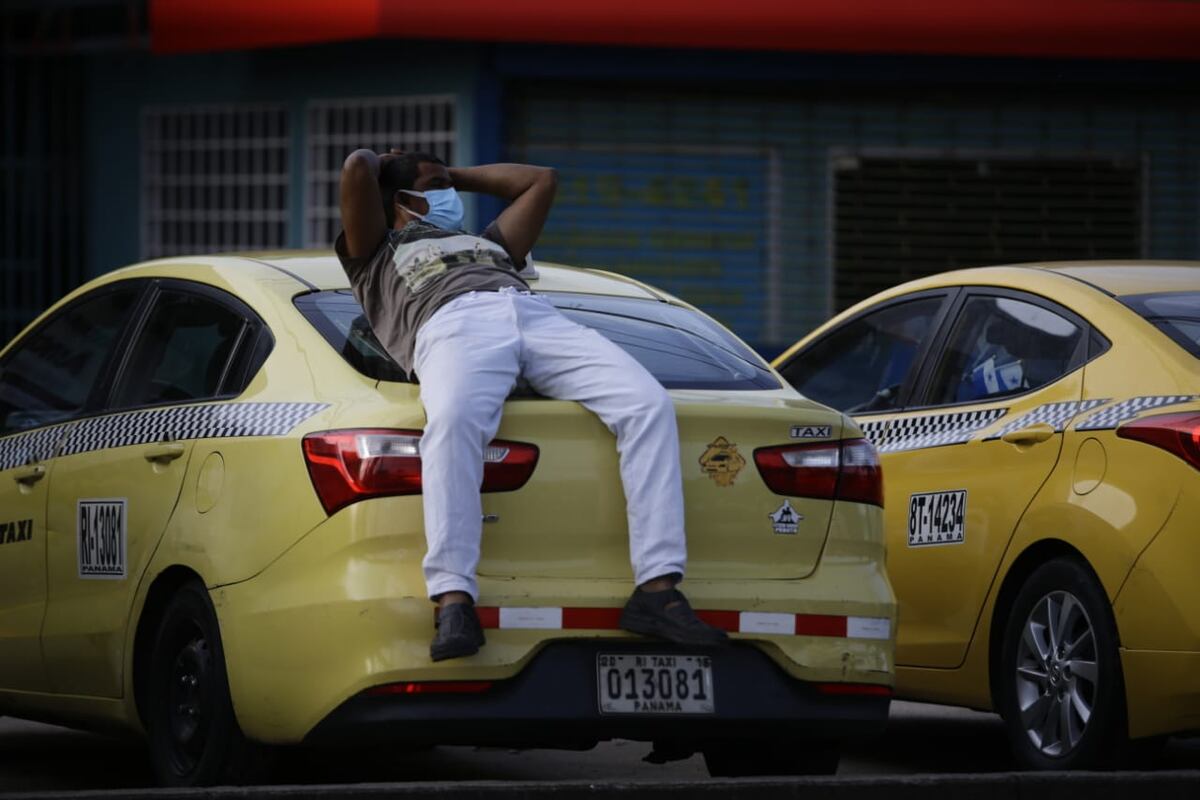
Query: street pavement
920	739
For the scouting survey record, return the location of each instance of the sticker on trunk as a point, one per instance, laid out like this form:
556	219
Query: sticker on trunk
721	461
937	518
100	535
786	519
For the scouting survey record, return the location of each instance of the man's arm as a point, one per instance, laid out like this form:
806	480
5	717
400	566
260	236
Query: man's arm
529	192
362	207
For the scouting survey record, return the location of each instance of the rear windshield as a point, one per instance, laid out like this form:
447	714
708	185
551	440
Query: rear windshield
1177	314
682	349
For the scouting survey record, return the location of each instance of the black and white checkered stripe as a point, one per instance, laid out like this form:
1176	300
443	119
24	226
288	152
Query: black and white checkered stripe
1054	414
25	448
214	421
873	430
1114	415
935	430
210	421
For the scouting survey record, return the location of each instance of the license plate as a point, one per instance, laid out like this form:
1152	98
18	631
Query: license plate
654	684
937	518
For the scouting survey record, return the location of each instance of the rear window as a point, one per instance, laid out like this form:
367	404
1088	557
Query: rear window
339	318
1177	314
682	349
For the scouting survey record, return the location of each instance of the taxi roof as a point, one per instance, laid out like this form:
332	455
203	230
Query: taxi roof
321	269
1130	277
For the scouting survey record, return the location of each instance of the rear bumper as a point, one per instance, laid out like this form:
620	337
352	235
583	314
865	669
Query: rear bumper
554	702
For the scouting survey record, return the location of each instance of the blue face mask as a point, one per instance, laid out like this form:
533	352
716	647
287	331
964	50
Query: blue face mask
445	208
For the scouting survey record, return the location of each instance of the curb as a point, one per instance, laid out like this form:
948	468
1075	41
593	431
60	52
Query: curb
1168	785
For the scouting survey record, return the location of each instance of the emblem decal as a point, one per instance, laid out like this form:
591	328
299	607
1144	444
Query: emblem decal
786	519
721	461
811	431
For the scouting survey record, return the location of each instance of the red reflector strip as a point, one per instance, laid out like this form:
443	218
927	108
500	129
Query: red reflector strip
555	618
861	689
725	620
431	687
820	625
591	618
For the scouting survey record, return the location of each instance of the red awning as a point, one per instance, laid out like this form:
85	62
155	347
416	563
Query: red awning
1144	29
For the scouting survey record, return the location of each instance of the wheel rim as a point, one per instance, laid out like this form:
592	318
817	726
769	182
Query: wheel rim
188	707
1056	674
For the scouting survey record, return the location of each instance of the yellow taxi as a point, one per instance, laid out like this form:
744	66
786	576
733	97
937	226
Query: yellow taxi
211	533
1039	427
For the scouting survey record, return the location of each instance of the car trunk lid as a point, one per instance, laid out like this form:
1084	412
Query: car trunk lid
569	520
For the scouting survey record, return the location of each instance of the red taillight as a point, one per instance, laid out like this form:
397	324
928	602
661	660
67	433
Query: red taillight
352	465
431	687
1176	433
846	470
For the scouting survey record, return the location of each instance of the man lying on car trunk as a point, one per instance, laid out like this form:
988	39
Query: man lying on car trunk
451	307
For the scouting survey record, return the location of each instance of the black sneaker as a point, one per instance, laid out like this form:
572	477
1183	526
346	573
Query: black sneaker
667	615
458	632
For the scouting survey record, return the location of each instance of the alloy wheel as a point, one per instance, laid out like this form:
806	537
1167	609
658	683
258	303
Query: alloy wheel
1056	674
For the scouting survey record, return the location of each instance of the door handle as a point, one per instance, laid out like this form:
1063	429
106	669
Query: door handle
163	453
1030	434
29	475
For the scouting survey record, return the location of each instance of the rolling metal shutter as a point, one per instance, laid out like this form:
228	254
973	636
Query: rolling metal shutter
904	216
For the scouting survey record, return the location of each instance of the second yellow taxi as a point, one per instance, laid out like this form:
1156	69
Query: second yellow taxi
1039	427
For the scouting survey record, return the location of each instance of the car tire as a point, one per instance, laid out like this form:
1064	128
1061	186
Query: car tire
1062	694
746	759
194	736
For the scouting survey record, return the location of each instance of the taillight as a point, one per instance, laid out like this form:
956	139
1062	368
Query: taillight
846	470
351	465
1176	433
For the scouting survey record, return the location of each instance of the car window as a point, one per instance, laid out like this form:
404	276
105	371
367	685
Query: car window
862	366
1001	346
678	346
50	373
1177	314
339	318
182	352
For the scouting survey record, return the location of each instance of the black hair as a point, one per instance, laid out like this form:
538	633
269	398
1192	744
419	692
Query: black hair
401	173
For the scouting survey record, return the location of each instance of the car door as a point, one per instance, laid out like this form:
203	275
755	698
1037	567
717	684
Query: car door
867	365
47	379
982	432
119	476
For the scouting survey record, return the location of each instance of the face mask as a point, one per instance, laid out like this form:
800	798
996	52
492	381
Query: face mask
445	208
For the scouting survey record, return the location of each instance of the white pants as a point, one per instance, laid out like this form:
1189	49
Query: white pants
468	357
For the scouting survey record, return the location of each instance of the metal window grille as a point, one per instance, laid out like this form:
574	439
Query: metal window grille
214	178
900	216
338	127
